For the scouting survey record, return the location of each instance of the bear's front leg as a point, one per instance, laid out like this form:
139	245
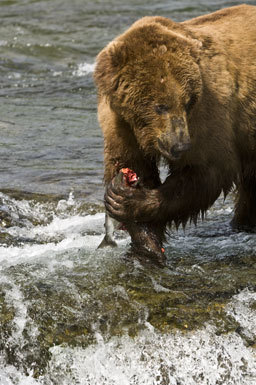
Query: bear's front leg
184	195
121	150
126	204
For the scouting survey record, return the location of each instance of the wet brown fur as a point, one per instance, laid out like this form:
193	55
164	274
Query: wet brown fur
204	71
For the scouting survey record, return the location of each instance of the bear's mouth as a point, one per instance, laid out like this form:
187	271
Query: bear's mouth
174	152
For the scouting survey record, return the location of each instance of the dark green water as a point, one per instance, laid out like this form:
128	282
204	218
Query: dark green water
71	314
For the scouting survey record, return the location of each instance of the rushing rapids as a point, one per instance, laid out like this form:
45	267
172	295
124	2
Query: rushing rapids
72	313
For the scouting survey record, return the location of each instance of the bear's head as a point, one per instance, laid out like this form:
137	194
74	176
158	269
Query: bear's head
150	75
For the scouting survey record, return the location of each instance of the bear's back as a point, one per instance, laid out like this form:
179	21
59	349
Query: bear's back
236	23
231	31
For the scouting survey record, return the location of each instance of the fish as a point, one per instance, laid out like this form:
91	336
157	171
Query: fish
109	238
145	243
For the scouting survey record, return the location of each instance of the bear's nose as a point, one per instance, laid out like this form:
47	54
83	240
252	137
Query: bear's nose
172	147
176	140
172	152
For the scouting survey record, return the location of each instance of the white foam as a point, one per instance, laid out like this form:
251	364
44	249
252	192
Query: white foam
197	358
71	233
194	358
9	375
240	309
83	69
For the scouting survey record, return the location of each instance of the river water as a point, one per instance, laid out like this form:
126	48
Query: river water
72	314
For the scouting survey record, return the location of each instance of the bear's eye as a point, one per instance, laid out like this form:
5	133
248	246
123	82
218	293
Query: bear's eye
161	109
192	101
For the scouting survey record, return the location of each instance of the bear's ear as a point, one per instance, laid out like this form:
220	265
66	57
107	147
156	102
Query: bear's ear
108	64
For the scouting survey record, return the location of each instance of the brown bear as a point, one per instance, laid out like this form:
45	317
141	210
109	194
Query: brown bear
186	93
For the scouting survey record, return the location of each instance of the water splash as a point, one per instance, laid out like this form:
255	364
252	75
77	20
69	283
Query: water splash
196	358
84	69
93	317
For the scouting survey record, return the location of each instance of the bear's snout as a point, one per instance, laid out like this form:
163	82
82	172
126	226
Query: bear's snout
176	140
178	124
179	148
